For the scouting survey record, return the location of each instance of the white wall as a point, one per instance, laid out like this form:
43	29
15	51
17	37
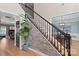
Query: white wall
12	8
48	10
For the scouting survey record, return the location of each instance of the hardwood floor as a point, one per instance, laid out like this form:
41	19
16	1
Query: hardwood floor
75	48
7	48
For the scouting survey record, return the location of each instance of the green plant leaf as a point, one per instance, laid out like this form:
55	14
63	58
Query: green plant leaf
25	27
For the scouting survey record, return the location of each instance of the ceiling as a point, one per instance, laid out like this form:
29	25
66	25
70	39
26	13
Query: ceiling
6	18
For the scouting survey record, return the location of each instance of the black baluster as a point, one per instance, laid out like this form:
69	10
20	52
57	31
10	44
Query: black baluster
54	37
68	40
60	44
64	45
57	44
52	34
49	32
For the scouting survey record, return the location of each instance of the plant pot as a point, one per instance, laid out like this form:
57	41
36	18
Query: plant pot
25	46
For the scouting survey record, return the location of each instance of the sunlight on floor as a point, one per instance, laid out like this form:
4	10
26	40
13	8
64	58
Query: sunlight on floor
3	43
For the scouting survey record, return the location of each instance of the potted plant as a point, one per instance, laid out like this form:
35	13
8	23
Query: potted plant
24	30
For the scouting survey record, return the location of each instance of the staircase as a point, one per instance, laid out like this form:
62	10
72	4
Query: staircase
56	37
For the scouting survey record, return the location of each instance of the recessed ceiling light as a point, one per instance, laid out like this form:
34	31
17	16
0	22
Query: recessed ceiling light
62	24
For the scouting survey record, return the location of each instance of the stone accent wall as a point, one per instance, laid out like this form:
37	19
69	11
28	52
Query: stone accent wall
38	42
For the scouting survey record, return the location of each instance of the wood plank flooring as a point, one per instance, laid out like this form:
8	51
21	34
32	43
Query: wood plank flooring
7	48
75	48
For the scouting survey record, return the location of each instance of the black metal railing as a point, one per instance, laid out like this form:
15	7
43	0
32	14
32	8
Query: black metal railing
59	39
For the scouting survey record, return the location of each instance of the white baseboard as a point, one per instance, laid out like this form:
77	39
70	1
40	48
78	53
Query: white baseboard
40	53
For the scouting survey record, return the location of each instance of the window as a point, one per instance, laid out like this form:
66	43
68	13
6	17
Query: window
2	30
